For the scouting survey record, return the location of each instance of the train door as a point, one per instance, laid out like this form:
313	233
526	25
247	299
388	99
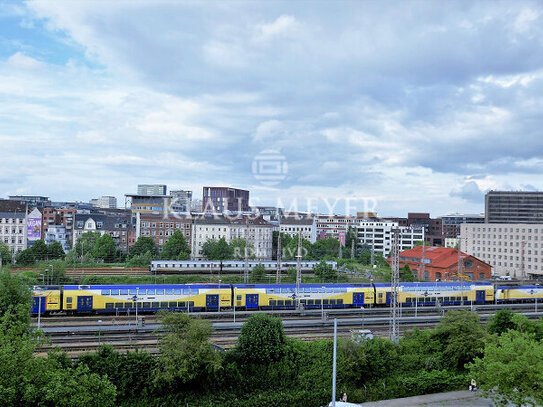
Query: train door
251	301
480	296
84	303
212	302
358	299
37	307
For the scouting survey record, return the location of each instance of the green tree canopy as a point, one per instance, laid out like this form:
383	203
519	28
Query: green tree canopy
25	257
325	272
144	244
258	274
238	249
5	253
406	274
501	322
187	355
85	243
327	247
55	251
291	249
221	250
105	248
13	292
39	250
261	340
511	369
176	248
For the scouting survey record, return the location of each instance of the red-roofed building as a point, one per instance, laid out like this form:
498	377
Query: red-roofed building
441	264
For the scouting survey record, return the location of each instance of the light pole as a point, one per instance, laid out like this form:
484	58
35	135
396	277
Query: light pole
219	304
135	299
99	331
39	311
322	302
52	272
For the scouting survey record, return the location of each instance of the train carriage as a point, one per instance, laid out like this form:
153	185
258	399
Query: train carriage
283	296
46	299
529	293
147	298
172	266
443	293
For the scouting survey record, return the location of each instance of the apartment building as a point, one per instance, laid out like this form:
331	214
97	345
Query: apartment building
379	235
13	224
293	226
160	228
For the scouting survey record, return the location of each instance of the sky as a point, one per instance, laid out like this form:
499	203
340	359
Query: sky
336	106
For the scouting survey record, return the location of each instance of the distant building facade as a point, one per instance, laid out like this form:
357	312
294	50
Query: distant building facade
13	224
514	249
181	201
292	227
160	228
152	189
513	207
149	204
116	225
256	231
378	235
33	228
57	233
441	264
59	217
334	226
225	200
33	201
433	234
105	202
451	223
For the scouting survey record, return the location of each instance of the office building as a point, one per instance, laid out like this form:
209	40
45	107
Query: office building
451	223
32	201
513	207
225	200
513	249
181	201
105	202
378	235
151	189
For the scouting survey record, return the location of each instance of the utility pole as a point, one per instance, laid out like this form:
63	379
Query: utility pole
299	268
246	271
279	255
372	252
352	248
394	308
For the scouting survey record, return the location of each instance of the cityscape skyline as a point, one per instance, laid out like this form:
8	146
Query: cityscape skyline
426	115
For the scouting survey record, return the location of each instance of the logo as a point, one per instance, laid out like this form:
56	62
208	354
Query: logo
270	167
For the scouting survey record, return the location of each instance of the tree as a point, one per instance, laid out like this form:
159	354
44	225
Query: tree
13	293
186	355
261	340
176	248
105	248
285	240
511	370
53	272
55	251
349	237
501	322
25	257
5	253
291	249
144	244
239	246
462	338
140	260
40	251
406	274
85	243
323	248
221	251
325	272
365	254
258	274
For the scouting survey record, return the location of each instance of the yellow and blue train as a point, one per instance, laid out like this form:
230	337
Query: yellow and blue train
115	298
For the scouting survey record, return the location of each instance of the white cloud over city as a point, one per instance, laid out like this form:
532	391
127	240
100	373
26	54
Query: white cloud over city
420	105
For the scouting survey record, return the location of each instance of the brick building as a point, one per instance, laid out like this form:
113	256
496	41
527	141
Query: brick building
160	228
433	228
225	199
441	264
59	216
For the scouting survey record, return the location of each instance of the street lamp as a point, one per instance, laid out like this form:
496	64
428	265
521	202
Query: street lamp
135	299
322	302
52	272
99	331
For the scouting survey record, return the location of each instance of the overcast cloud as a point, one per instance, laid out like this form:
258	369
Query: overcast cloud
422	106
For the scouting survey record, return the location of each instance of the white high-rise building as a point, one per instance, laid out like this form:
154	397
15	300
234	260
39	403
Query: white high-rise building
378	235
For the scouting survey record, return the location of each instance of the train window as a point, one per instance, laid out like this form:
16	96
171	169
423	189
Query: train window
280	302
114	292
324	302
194	291
273	303
465	298
191	303
182	304
380	295
238	297
124	292
427	299
310	302
132	291
128	304
332	302
186	291
164	304
160	292
303	301
337	290
446	299
68	300
288	302
109	305
307	290
408	300
146	305
150	292
119	305
173	304
105	292
177	291
329	290
340	301
169	291
155	305
343	290
458	298
142	291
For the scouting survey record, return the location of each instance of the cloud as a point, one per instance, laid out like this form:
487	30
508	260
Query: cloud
470	191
